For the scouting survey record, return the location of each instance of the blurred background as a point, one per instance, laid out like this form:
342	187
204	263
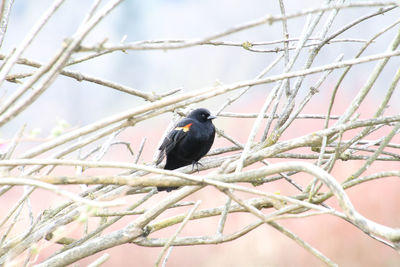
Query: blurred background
70	104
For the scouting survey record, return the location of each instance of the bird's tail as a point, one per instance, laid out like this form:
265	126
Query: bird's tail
172	164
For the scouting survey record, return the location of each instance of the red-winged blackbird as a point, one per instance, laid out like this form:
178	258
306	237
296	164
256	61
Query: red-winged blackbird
190	140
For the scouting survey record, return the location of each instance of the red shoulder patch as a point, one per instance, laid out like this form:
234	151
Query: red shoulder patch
184	128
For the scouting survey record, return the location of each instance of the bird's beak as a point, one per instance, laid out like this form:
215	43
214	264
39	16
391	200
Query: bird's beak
211	117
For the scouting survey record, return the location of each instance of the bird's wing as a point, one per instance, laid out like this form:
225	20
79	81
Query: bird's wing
174	137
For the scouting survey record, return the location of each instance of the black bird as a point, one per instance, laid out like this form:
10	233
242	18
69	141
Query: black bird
188	142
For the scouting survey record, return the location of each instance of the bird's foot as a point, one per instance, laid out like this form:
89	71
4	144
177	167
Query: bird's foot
197	165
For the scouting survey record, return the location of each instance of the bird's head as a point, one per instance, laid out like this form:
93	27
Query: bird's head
201	114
